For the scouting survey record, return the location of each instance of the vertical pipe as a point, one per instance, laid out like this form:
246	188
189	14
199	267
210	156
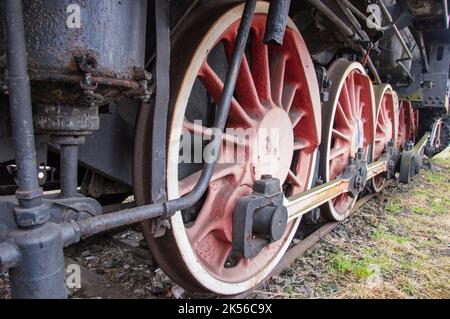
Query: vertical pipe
40	272
423	51
69	170
29	192
276	21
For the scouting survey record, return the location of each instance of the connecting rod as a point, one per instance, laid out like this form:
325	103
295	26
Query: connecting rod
301	204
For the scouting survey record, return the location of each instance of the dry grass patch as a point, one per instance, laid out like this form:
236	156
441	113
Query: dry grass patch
396	246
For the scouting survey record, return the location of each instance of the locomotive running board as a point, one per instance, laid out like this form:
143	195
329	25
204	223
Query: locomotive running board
303	203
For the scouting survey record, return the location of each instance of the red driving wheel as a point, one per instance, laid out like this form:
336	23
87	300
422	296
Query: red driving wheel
348	124
386	127
276	105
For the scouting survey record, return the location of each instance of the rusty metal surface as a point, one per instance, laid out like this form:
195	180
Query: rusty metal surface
114	31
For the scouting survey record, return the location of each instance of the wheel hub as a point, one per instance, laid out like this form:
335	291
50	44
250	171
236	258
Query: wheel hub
274	146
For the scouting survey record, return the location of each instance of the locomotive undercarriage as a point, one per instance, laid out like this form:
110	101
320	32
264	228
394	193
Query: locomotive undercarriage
357	91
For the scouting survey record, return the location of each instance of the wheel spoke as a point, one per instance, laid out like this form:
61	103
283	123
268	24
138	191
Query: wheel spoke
340	112
300	143
296	116
336	152
294	179
352	87
200	130
260	66
214	86
359	105
346	96
289	92
208	219
245	89
277	72
341	135
381	127
213	216
221	170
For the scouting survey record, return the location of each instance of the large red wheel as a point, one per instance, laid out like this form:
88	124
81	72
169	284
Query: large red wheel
276	103
386	128
405	124
348	124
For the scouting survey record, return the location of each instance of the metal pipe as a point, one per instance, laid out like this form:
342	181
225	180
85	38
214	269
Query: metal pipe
37	258
102	223
276	22
29	193
69	170
374	71
347	31
372	68
403	67
396	31
423	51
402	42
355	10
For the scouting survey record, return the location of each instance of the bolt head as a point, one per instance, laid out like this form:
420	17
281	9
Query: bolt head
267	185
28	217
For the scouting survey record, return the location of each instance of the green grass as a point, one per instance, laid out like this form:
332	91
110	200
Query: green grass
383	235
359	268
408	287
393	207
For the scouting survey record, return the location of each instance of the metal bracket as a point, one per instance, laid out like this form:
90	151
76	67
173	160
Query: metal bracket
259	219
324	83
430	149
160	112
392	157
87	63
356	171
411	159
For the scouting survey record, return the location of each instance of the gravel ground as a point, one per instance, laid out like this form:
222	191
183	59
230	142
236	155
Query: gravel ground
396	246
